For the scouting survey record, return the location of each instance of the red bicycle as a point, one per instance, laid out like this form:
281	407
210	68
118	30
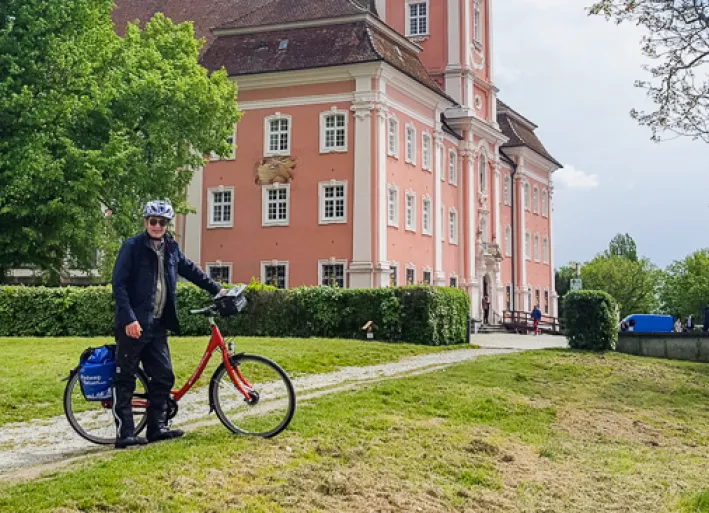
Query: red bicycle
250	394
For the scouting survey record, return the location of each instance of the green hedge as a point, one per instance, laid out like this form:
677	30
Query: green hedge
414	314
590	320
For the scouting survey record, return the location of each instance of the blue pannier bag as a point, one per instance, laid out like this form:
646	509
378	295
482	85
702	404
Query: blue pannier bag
97	366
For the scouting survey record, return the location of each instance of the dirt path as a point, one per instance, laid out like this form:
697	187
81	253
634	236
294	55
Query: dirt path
29	449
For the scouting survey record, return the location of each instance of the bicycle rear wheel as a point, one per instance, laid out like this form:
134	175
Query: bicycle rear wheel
94	420
271	405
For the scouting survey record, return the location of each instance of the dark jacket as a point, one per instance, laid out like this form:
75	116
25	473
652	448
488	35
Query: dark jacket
135	275
536	314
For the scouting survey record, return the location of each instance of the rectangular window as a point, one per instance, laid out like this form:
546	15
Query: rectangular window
393	146
275	275
545	250
508	241
220	207
508	297
410	211
426	216
410	275
537	297
508	191
335	132
333	202
545	203
536	199
394	275
410	145
452	168
275	205
333	275
278	130
219	273
426	152
477	21
453	227
528	246
393	206
418	19
454	282
546	302
427	277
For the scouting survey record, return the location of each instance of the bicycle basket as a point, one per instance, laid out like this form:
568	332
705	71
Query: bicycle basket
97	367
230	304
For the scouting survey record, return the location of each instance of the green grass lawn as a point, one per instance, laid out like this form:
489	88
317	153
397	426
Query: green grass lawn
30	377
546	431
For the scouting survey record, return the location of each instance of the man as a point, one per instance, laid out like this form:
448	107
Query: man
144	283
486	309
536	317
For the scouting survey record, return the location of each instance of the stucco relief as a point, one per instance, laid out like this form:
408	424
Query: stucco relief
274	170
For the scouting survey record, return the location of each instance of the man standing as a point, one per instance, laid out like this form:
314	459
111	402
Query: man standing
144	283
486	309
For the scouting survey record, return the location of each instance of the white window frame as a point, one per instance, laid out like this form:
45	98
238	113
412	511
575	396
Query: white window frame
393	136
535	199
477	21
334	111
545	249
545	203
443	216
321	202
430	275
426	230
545	310
410	143
527	245
213	156
274	263
267	135
395	222
507	188
538	294
527	195
209	265
508	240
452	167
453	230
265	204
426	151
333	261
409	267
407	16
392	266
210	208
537	248
482	172
410	227
453	277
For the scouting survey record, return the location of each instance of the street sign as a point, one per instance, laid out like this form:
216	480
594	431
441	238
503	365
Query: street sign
576	284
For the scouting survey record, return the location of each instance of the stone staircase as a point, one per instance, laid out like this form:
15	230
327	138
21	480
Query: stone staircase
491	328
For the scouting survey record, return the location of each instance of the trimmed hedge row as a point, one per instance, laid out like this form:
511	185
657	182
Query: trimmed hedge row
590	320
414	314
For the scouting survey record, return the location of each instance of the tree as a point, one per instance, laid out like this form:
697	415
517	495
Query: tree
90	121
623	246
678	38
633	284
563	277
685	287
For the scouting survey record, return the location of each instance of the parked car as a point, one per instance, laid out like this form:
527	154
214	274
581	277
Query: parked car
647	323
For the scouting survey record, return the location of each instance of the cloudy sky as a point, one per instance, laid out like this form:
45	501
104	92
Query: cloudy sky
573	76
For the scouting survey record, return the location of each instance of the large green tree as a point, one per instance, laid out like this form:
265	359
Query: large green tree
89	120
685	289
623	245
633	284
677	39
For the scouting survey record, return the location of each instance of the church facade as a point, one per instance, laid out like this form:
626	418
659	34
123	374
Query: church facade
373	151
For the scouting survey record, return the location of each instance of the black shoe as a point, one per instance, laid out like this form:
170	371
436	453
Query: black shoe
129	441
164	433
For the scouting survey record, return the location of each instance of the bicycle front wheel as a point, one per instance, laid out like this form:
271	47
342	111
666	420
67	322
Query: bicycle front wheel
271	403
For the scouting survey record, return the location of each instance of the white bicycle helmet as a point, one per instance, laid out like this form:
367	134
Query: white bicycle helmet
158	208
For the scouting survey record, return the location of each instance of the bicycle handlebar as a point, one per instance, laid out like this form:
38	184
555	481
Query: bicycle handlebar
212	309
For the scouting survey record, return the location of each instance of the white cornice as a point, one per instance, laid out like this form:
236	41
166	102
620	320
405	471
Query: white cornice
533	157
305	76
477	126
276	103
413	88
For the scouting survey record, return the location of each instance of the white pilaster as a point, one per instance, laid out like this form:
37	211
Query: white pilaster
192	242
554	298
522	258
361	267
382	267
381	9
453	33
437	200
470	236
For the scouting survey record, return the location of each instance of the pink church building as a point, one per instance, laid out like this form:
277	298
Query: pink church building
373	151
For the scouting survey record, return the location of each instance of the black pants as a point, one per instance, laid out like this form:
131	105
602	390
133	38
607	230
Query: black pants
486	312
151	349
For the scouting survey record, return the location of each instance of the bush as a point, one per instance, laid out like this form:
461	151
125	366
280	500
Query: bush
590	320
415	314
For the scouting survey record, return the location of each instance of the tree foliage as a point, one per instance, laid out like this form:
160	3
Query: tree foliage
678	40
685	290
89	120
623	246
633	284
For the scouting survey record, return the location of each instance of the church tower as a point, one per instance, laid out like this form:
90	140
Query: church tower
456	41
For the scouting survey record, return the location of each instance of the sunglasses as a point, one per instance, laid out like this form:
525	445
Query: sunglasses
161	222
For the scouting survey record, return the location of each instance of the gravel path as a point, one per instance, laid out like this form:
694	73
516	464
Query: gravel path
29	448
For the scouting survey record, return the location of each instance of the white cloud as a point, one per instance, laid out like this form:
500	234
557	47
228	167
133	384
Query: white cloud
571	178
